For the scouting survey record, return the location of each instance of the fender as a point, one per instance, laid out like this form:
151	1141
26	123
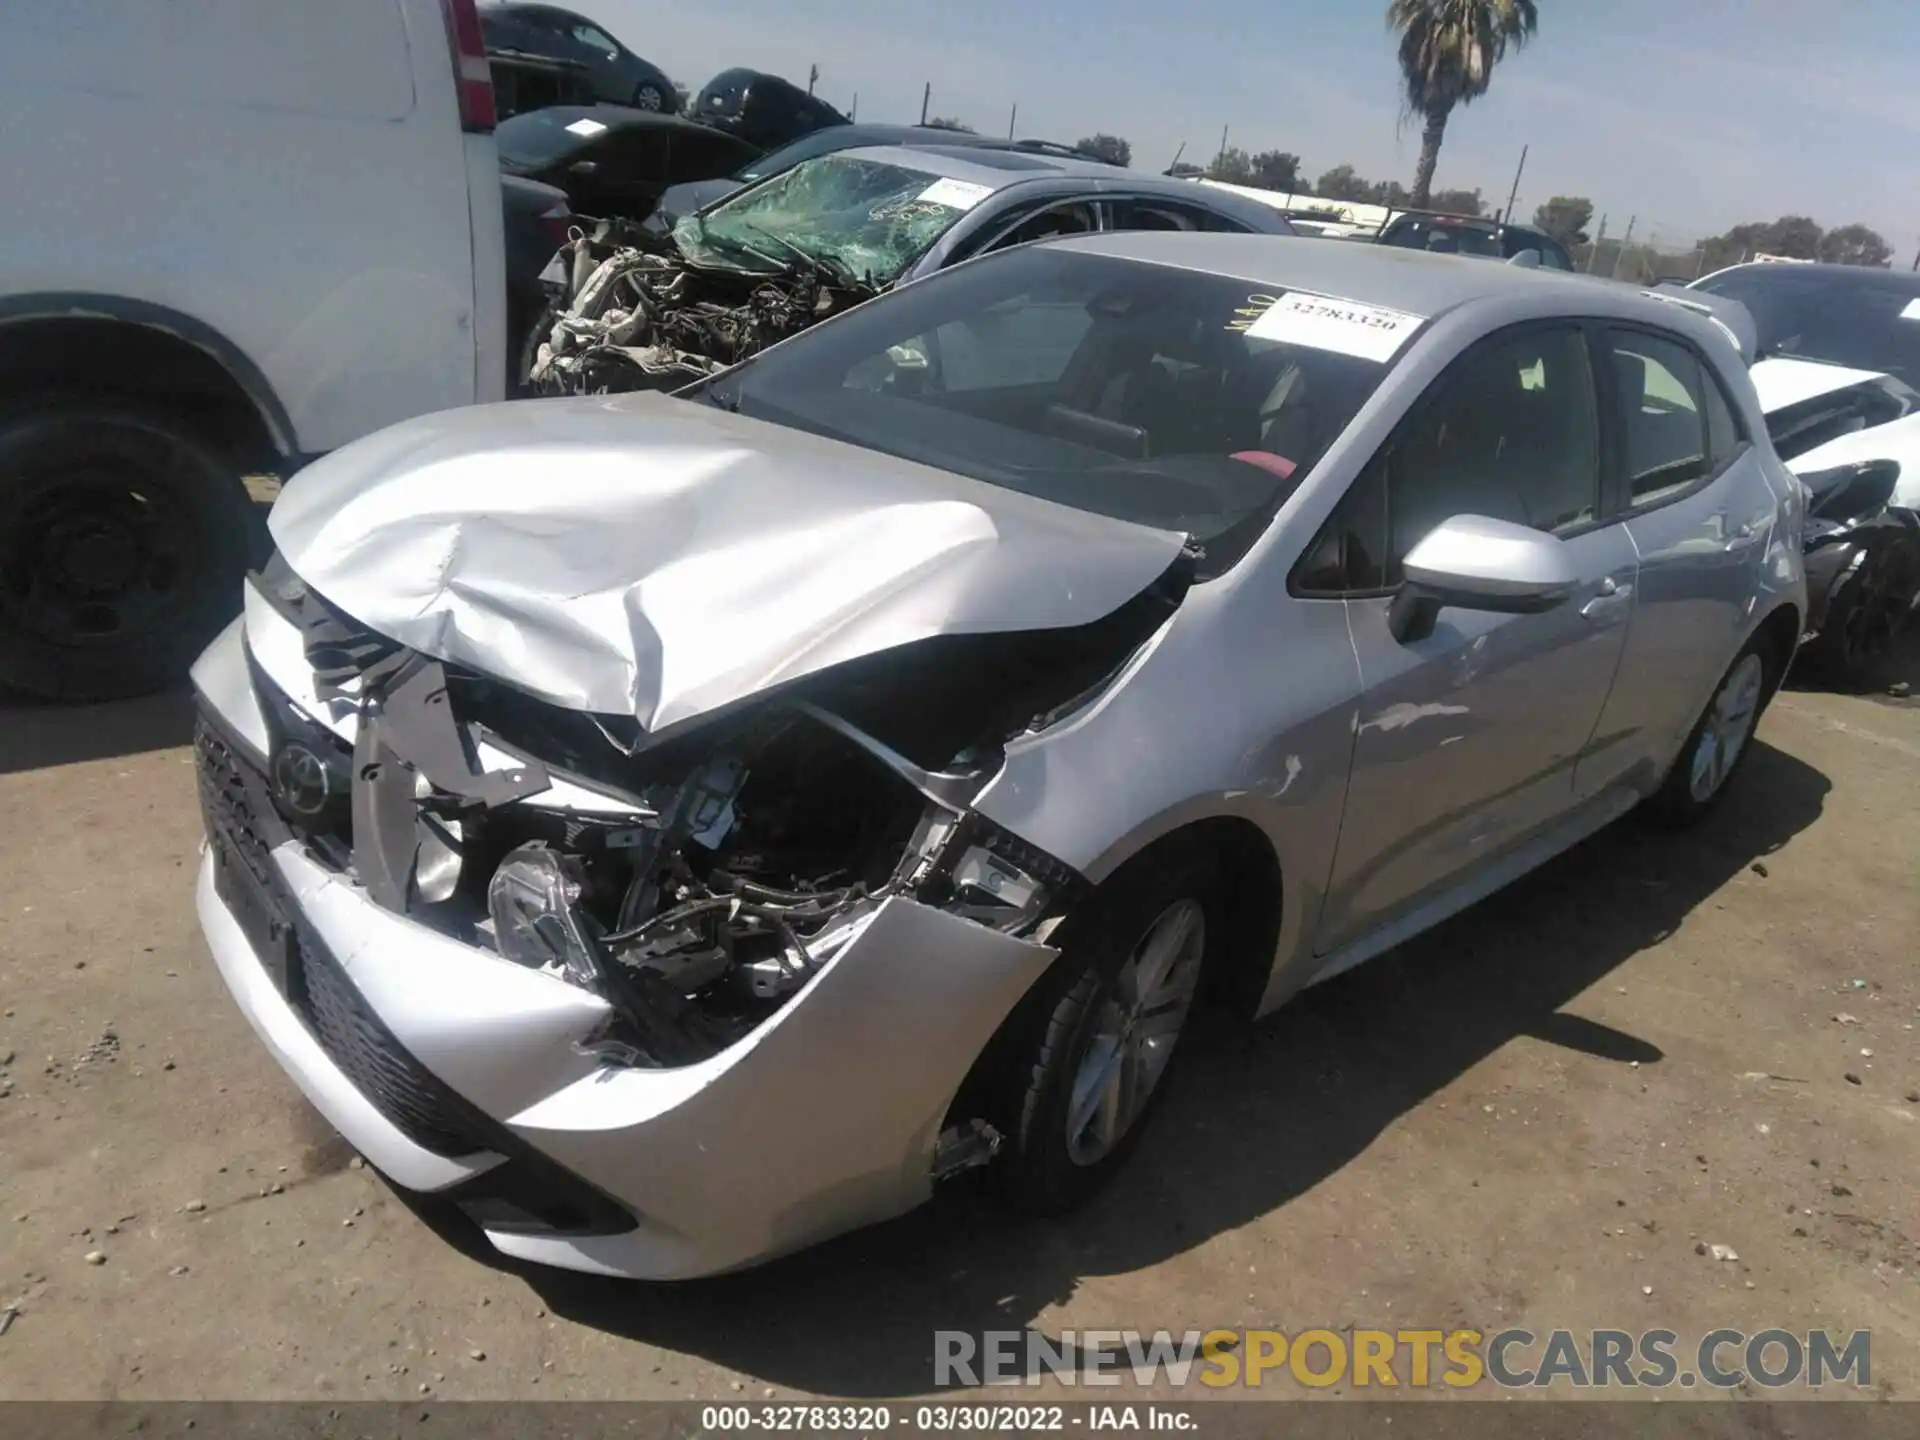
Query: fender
247	376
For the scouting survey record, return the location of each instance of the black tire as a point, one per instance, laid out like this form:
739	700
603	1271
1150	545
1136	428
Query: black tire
1040	1051
1867	617
123	543
1676	804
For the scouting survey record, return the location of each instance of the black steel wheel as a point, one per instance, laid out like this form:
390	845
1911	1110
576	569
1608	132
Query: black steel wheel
123	542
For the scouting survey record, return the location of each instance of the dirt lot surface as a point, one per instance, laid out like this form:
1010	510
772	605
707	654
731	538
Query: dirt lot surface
1533	1116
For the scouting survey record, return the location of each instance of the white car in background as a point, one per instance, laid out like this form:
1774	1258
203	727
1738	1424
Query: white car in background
1838	372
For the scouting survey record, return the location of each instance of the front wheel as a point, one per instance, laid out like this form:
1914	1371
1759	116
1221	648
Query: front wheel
1090	1049
648	97
1720	738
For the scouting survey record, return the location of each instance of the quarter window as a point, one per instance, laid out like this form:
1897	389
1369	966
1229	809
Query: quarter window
1677	425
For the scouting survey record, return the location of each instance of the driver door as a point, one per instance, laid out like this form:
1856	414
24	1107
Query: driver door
1466	740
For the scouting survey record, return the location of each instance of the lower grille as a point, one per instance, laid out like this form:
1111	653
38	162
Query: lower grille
242	823
420	1107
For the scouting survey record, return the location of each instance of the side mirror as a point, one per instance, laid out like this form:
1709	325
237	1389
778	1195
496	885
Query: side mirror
1475	563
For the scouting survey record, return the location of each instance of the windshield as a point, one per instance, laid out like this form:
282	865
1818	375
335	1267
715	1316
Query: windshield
1135	391
1443	239
865	219
1869	321
541	138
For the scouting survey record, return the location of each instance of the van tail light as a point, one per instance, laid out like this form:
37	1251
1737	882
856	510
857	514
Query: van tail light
472	75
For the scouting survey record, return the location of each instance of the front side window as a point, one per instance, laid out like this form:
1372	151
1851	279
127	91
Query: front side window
1510	431
869	219
1106	385
595	39
1676	425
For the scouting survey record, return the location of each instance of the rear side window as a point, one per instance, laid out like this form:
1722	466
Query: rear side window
1677	427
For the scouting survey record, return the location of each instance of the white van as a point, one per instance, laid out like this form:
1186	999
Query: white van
238	234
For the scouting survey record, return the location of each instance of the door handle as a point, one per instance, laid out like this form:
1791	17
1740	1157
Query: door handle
1611	601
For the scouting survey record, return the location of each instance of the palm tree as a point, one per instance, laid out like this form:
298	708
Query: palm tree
1448	49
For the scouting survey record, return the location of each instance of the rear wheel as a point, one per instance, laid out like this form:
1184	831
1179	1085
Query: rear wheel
648	97
122	546
1087	1054
1720	738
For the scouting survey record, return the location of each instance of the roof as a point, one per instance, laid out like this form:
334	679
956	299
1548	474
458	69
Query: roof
993	168
1410	280
614	117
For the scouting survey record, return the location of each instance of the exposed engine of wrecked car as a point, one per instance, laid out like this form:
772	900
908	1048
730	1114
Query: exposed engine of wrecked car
694	881
636	315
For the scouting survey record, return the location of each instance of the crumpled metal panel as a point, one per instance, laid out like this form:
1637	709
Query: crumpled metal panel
645	555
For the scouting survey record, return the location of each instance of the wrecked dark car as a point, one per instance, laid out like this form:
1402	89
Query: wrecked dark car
639	310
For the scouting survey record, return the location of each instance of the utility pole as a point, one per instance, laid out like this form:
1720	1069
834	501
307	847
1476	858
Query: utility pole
1221	158
926	96
853	111
1625	241
1599	236
1506	217
1012	116
813	77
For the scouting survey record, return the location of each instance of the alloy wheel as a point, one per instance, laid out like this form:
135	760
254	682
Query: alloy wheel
1139	1023
1728	727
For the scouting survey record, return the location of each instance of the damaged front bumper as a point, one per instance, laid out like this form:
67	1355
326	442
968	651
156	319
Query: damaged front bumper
523	1093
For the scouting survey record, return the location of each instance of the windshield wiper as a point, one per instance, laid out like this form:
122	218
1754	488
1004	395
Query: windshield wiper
834	269
728	242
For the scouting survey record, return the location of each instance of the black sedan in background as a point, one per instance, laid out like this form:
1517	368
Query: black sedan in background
619	76
761	109
612	161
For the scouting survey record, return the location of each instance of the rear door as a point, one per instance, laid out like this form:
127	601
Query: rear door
1468	739
1699	511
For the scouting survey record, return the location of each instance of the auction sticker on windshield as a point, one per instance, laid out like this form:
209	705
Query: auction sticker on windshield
1912	312
586	129
960	194
1346	327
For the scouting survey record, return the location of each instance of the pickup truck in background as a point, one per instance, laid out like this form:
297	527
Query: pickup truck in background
242	233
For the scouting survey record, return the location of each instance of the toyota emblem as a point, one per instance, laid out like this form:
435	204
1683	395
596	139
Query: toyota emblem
303	780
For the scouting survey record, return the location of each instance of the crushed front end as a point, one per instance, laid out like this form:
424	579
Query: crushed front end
648	1006
630	312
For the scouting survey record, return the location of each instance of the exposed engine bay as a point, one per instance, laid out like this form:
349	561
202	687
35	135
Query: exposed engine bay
634	314
695	880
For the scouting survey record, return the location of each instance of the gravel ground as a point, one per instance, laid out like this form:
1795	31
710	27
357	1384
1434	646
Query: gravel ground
1532	1116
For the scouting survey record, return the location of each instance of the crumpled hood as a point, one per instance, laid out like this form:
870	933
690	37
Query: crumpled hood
643	555
1782	382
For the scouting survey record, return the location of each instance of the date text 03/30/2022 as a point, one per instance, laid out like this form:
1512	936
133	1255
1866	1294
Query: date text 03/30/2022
943	1419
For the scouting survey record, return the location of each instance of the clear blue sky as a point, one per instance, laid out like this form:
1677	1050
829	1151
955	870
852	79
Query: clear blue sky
1693	114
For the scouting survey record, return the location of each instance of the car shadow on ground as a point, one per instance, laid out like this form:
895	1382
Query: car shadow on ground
1257	1116
36	734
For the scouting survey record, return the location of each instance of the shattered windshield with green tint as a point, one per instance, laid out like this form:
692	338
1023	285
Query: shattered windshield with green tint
864	219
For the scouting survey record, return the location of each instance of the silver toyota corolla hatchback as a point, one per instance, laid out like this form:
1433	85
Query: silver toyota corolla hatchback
683	828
